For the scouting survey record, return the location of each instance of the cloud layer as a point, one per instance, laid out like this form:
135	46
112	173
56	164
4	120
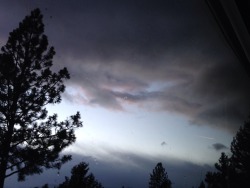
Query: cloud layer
131	170
167	56
163	57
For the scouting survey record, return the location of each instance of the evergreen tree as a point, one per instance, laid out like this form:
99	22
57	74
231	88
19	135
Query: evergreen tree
212	179
221	177
159	178
80	178
30	140
45	186
202	185
240	148
233	171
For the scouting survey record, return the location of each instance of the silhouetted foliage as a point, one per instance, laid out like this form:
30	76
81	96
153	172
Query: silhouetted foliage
225	177
159	178
233	171
80	178
240	148
212	179
45	186
30	140
202	185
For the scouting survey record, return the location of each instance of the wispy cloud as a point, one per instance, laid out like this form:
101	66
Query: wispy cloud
206	137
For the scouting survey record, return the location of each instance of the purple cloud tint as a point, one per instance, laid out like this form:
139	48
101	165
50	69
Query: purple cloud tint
118	49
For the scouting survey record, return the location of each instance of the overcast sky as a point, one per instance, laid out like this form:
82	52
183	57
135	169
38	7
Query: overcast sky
153	80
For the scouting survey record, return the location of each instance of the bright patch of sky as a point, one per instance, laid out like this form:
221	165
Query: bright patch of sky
141	132
159	86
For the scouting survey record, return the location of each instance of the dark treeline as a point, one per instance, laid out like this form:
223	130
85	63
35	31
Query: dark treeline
81	178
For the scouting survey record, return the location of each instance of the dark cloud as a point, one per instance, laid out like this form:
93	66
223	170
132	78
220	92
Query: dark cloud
163	143
219	146
117	51
133	171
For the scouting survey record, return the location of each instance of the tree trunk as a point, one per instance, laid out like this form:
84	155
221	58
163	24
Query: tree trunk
5	154
4	163
2	172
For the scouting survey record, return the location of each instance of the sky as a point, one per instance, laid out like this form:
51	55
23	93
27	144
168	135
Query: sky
154	81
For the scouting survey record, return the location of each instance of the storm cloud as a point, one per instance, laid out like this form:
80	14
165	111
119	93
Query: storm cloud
165	56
